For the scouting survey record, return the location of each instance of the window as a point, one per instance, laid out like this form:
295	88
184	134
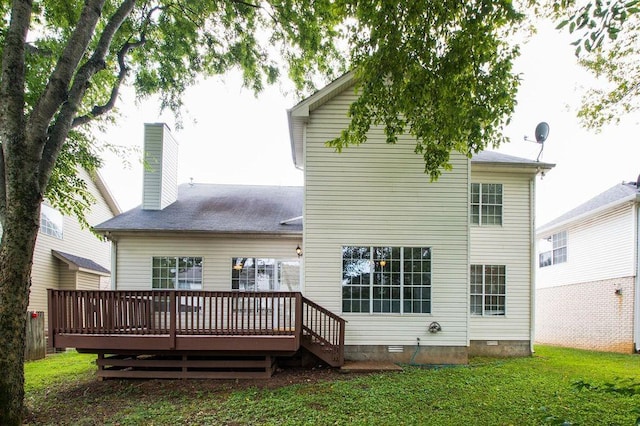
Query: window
553	249
51	221
486	203
260	274
181	273
488	288
386	279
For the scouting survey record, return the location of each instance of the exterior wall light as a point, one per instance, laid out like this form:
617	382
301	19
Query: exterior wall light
299	251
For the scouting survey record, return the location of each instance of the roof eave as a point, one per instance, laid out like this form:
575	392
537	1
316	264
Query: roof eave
533	168
100	183
115	232
298	115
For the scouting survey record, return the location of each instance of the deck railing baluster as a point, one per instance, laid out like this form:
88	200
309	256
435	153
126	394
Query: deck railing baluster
178	312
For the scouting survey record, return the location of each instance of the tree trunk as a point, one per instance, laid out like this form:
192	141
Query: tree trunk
16	256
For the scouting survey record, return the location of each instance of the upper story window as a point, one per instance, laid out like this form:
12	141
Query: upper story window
386	279
176	273
553	249
51	221
488	290
262	274
486	203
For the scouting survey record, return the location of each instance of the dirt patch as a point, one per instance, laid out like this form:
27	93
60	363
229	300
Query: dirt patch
92	401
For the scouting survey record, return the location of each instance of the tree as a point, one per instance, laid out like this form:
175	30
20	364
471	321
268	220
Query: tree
439	70
607	45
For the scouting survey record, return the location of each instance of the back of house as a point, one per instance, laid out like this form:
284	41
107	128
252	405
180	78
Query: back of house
423	272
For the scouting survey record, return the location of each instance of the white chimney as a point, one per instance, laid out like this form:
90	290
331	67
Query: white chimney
160	179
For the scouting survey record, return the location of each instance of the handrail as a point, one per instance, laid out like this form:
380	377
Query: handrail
323	329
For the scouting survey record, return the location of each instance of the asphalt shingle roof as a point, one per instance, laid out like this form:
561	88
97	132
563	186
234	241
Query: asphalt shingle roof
611	195
80	262
219	209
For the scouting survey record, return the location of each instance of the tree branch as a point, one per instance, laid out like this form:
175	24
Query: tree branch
12	84
244	3
55	93
58	131
98	110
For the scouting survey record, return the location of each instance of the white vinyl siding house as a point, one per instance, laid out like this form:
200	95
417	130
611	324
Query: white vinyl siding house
381	244
590	300
597	249
49	271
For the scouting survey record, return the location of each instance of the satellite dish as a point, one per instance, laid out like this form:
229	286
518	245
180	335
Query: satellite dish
542	132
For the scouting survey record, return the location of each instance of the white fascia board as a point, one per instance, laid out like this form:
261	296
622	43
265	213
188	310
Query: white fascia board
298	115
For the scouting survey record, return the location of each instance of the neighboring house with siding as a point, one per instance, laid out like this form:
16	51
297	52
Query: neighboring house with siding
588	290
70	257
423	271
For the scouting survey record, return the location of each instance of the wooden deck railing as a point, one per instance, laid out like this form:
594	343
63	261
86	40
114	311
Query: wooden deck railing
173	312
325	332
199	314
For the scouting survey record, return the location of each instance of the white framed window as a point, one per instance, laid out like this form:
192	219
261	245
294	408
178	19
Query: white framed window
386	279
488	290
486	204
176	273
553	249
51	221
265	274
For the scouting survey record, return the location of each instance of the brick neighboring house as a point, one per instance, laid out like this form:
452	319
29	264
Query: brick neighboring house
587	279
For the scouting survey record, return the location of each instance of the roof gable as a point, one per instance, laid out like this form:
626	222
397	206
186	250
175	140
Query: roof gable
298	116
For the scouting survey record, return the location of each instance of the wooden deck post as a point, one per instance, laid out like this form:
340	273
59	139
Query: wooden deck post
51	313
174	312
298	318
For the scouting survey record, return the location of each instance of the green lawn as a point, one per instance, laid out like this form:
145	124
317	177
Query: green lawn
554	386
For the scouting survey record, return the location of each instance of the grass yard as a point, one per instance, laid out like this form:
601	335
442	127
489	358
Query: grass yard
553	387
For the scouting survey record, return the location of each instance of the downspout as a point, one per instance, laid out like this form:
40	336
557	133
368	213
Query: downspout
532	245
469	243
636	300
114	263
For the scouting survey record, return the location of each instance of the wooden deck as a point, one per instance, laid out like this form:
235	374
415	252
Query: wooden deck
192	333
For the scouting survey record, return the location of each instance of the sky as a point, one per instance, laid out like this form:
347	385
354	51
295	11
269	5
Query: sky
231	136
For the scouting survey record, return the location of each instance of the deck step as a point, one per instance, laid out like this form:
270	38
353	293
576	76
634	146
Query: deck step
185	366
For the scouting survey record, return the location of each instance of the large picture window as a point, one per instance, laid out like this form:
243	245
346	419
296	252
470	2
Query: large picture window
488	289
553	250
263	274
486	203
386	279
51	221
182	273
